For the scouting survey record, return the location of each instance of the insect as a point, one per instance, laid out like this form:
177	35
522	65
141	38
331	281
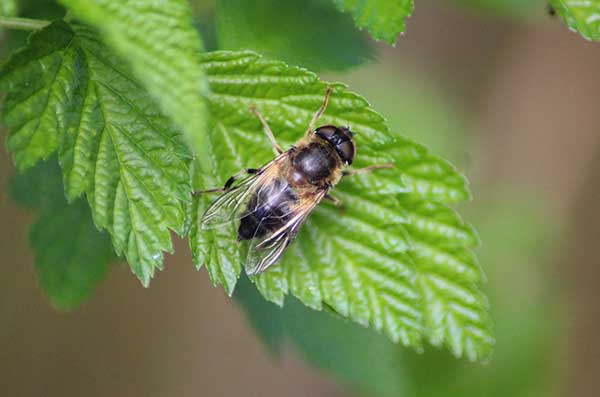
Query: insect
271	203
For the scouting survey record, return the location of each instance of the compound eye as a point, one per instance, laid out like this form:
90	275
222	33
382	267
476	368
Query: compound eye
326	131
346	151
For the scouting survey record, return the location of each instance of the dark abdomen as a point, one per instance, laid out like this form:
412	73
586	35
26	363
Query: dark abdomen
268	210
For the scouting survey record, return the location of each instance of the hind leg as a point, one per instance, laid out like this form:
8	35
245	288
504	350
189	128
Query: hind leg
229	182
276	148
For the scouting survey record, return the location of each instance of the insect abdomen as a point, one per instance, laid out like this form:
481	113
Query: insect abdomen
268	210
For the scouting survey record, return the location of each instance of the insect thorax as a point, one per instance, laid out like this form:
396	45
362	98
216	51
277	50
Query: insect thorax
316	164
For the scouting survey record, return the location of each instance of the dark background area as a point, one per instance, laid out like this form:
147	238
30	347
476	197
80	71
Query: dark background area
513	101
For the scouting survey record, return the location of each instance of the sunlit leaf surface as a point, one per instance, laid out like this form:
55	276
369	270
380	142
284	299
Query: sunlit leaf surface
395	257
67	92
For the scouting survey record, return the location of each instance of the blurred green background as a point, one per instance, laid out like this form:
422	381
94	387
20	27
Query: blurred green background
500	88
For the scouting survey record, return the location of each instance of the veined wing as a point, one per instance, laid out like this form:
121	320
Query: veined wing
228	206
265	251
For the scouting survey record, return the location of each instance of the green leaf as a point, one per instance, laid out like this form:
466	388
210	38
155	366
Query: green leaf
360	359
386	259
455	311
71	255
159	41
383	19
521	311
582	16
215	249
427	176
417	106
12	39
67	92
40	9
296	31
526	308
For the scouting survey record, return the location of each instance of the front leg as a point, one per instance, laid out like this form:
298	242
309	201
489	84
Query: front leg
333	200
313	122
276	148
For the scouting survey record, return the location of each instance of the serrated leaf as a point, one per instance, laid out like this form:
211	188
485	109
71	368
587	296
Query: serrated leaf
159	41
214	249
34	106
67	91
298	32
71	255
232	75
522	316
582	16
427	176
382	260
384	19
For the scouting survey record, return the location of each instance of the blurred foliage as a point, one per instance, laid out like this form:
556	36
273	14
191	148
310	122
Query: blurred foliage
354	355
523	297
415	104
71	255
41	9
10	40
401	260
8	8
384	19
525	306
293	31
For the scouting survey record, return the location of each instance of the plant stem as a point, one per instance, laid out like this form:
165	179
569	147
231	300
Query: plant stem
23	23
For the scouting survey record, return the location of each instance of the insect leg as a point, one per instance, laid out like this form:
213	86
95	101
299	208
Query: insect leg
313	122
228	183
368	169
236	176
334	200
276	148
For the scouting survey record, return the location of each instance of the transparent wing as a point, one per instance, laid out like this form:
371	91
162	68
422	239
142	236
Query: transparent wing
265	251
227	207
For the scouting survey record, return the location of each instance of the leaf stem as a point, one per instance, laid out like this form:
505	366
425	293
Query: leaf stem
23	23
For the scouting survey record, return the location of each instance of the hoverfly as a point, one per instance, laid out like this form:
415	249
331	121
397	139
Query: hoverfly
270	204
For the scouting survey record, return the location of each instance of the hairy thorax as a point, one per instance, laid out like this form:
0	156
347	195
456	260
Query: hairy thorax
314	165
310	168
